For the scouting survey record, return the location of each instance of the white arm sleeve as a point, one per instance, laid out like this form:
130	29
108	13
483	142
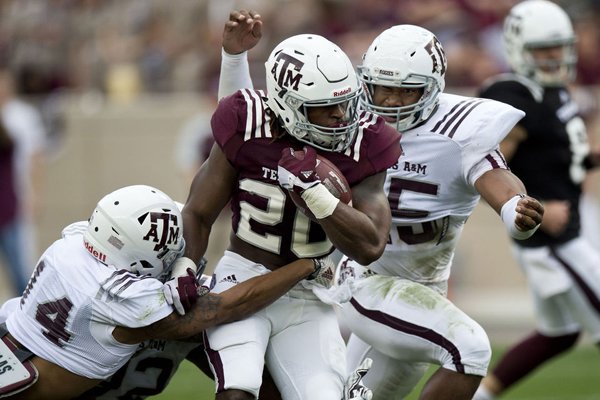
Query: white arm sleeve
235	73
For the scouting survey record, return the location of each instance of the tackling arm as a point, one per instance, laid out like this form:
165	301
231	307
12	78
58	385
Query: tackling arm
235	303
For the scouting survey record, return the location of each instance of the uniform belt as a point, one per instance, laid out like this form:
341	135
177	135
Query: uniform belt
20	351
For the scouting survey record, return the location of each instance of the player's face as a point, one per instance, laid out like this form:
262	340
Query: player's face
330	116
548	58
388	96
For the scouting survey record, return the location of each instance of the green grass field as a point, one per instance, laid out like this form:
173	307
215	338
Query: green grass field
574	376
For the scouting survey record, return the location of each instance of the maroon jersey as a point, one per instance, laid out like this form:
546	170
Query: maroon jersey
264	215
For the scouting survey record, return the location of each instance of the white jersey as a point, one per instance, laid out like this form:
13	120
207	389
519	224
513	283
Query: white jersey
431	189
72	304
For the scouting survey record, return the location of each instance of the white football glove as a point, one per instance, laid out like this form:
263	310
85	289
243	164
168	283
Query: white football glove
323	285
324	273
354	389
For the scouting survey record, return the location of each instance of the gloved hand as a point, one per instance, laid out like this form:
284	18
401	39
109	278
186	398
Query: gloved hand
322	283
182	291
324	273
354	389
296	170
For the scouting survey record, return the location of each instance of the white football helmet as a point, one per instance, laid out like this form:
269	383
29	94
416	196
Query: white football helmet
405	56
137	228
310	71
537	24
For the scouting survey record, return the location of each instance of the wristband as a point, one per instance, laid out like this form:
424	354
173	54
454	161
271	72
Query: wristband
320	201
508	213
318	264
181	265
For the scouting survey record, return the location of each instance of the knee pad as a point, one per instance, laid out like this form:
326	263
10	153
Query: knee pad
472	352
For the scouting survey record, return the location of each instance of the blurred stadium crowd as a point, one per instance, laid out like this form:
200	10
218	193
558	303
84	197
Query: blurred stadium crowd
122	48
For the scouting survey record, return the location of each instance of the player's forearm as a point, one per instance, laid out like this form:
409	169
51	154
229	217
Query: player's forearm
233	304
357	235
254	294
196	237
497	186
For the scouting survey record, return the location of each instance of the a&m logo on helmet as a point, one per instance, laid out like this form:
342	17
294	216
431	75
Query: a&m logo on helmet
164	229
438	56
286	71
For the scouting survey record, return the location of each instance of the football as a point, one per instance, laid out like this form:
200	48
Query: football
334	181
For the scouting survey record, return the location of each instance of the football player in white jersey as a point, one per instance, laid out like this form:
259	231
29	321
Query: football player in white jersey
149	371
399	315
549	150
98	292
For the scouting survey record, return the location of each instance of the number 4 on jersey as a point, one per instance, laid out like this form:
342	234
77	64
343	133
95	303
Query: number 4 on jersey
53	316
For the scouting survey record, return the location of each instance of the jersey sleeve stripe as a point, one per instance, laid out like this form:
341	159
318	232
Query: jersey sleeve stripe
255	115
462	110
250	114
264	127
442	126
121	280
366	121
465	115
496	160
503	160
441	121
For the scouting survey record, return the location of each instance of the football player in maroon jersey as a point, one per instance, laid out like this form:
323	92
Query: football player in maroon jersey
451	157
311	105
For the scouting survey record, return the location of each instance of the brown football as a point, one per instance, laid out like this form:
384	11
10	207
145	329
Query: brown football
334	181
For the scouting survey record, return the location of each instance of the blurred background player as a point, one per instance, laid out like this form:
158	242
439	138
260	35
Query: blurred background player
451	157
549	151
21	198
311	105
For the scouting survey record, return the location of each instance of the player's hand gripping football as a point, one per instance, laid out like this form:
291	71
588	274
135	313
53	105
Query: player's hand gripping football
354	389
296	169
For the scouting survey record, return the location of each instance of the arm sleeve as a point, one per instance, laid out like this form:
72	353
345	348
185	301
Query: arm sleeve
140	304
235	73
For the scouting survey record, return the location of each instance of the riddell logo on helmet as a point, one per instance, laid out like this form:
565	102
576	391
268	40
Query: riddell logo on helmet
342	92
97	254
